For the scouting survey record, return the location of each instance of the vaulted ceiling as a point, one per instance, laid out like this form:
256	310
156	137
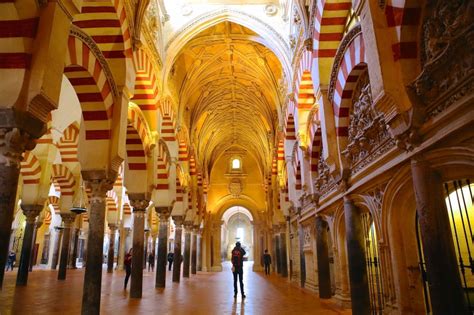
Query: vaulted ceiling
227	83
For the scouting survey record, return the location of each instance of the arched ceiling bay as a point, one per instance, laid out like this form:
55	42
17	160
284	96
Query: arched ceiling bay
227	83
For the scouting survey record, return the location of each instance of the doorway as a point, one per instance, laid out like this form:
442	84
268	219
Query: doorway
237	226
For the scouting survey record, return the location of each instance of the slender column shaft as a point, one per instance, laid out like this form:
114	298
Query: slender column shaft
446	292
122	243
35	232
13	142
283	254
161	259
111	252
356	259
302	257
31	212
178	220
138	252
75	243
187	252
199	252
322	252
277	253
95	242
57	247
194	253
68	219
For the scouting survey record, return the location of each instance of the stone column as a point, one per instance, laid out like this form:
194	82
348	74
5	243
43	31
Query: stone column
302	257
57	246
199	250
161	256
446	293
72	262
95	243
139	208
68	219
123	240
356	259
178	221
194	250
13	142
31	212
187	249
283	252
277	253
38	224
322	252
111	253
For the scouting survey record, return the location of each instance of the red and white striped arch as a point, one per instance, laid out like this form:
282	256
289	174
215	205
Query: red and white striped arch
30	169
127	210
298	176
146	83
167	128
163	166
68	144
111	201
304	83
330	20
179	190
316	147
47	217
54	202
88	78
63	176
192	165
18	29
348	71
106	22
290	130
138	139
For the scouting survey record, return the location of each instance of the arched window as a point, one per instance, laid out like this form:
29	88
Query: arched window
236	164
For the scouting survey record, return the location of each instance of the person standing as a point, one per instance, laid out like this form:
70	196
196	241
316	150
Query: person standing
11	260
151	262
238	254
127	262
170	258
267	260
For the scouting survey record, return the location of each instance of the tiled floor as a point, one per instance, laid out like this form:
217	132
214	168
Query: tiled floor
205	293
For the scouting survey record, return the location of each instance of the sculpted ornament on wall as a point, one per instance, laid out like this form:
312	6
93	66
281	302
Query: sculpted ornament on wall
447	42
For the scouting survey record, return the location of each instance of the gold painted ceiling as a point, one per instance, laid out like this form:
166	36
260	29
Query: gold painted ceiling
227	84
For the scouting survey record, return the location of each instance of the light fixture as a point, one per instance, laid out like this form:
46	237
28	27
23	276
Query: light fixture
80	209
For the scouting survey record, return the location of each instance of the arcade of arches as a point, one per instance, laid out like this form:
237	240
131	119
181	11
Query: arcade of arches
339	135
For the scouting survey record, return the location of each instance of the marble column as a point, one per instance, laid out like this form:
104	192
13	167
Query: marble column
38	224
68	220
111	252
283	253
178	221
446	292
194	250
139	209
95	243
199	251
161	257
13	142
187	249
31	212
123	241
277	253
75	243
322	252
57	246
302	257
356	259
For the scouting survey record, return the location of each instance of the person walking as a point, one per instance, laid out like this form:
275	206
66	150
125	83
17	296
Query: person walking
170	260
267	260
127	262
238	254
11	260
151	262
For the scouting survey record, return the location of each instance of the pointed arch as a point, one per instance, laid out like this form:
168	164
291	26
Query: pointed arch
63	176
30	169
68	143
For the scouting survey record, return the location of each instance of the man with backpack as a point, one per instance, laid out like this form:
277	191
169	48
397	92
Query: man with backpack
238	254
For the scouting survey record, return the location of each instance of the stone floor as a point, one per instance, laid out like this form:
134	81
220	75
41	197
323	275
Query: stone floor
204	293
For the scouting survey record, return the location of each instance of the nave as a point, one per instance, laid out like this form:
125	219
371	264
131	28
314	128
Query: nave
265	295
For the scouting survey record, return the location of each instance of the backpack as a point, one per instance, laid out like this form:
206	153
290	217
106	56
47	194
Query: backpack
236	257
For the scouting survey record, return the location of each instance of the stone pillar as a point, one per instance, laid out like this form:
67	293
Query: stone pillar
111	253
57	246
277	253
95	243
161	256
139	208
123	240
283	252
31	212
194	250
187	249
68	219
302	257
178	221
446	293
13	142
75	243
199	250
356	259
38	224
322	252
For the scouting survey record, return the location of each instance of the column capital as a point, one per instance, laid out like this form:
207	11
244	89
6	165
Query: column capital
163	211
13	142
31	212
113	227
68	219
188	225
139	202
178	220
98	187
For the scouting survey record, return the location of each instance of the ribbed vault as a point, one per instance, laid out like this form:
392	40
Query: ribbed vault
228	92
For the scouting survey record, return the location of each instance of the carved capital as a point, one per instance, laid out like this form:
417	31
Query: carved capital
139	204
163	212
13	142
99	188
68	219
113	227
31	212
178	220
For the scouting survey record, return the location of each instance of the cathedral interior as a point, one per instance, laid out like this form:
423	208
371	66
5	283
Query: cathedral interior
336	134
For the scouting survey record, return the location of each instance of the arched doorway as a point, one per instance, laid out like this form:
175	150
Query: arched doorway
237	226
